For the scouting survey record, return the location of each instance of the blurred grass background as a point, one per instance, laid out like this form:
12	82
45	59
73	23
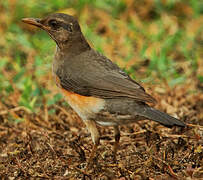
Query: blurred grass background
154	41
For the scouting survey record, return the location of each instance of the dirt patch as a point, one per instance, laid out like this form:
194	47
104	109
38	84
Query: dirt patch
57	146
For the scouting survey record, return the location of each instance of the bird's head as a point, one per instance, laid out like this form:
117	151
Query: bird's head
62	28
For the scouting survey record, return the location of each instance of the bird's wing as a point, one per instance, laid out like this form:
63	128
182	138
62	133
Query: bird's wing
101	78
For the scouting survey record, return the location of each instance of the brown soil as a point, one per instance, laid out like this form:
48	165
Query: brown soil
58	146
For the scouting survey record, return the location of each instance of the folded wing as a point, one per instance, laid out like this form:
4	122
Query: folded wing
101	78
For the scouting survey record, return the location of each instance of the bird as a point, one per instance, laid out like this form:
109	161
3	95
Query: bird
99	91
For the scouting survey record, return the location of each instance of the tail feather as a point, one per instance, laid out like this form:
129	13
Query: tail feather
161	117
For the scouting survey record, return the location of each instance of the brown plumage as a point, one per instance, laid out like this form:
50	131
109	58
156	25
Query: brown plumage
97	89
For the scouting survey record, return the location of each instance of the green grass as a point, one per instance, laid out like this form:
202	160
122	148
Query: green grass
26	54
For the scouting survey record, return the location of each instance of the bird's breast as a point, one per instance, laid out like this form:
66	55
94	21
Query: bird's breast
85	107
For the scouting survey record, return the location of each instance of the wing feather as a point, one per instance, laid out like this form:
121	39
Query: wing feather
100	78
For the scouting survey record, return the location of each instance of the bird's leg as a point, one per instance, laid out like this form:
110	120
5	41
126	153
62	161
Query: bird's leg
117	138
92	128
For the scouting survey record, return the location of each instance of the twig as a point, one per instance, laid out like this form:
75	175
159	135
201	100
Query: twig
168	166
135	133
175	136
188	154
62	109
15	109
194	125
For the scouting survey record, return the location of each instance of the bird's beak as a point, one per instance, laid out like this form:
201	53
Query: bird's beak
39	23
32	21
35	22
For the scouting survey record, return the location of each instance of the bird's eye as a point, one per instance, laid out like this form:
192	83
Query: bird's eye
53	24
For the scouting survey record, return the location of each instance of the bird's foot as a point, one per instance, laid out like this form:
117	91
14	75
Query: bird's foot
92	157
115	149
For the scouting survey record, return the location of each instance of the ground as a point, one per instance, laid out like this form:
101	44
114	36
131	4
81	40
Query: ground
58	146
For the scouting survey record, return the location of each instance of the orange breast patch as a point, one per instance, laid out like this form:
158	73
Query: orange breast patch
84	105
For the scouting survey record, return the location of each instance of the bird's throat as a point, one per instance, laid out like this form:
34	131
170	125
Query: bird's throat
73	46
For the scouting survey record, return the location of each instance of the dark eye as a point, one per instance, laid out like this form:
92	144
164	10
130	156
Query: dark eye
53	24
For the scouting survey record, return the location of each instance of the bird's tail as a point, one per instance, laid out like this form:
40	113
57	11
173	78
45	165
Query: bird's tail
161	117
